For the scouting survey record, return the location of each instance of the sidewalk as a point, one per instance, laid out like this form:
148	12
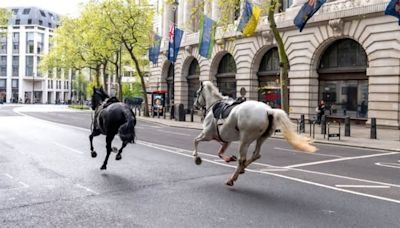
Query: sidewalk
387	139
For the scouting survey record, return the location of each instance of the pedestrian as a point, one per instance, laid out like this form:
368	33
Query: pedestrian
320	111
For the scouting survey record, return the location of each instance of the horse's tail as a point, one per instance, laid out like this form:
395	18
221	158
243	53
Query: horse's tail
299	142
127	130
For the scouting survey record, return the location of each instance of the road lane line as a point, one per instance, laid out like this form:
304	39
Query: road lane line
68	148
390	165
86	188
23	184
172	132
340	159
283	176
8	175
361	186
318	154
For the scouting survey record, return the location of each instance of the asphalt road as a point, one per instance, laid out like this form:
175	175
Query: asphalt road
48	179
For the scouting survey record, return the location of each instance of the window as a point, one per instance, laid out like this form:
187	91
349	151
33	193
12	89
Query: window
193	82
15	66
42	13
49	25
15	11
29	21
40	22
39	74
17	21
3	83
3	66
226	81
40	43
15	42
3	44
29	43
269	90
29	66
14	84
26	11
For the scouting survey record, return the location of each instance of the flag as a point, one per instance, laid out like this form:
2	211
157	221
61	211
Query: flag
175	38
207	36
154	51
393	9
306	12
248	21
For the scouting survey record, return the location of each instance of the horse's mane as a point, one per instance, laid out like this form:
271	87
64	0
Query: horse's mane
213	89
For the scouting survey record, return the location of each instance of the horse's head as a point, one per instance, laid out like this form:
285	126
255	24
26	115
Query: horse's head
200	100
98	96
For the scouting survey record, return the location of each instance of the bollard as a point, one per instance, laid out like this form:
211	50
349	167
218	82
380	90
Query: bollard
191	115
139	110
172	112
347	126
152	112
302	124
373	128
158	113
181	113
164	112
323	125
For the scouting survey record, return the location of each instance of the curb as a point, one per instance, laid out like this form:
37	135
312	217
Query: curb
149	120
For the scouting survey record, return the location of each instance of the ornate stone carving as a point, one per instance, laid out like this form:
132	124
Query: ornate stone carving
189	49
336	25
267	35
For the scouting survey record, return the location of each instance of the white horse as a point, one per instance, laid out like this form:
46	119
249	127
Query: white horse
247	122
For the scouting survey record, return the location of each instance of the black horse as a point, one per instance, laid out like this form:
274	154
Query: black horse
111	117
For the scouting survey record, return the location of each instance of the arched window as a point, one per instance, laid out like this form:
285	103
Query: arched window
269	90
193	82
226	80
343	83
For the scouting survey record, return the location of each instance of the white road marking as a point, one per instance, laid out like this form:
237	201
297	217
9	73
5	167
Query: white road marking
280	175
172	132
8	175
318	154
68	148
340	159
390	165
86	188
361	186
23	184
274	170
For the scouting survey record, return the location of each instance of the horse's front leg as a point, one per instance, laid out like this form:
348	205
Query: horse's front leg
118	156
201	137
221	152
91	136
109	139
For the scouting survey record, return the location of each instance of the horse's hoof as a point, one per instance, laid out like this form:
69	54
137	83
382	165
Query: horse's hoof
229	183
118	157
94	154
197	160
233	158
103	167
242	171
114	149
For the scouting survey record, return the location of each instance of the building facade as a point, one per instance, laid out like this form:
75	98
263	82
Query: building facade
347	55
22	46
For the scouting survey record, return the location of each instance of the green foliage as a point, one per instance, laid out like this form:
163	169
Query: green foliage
5	14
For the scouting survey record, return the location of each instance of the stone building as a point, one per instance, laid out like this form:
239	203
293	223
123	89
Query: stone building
22	45
348	55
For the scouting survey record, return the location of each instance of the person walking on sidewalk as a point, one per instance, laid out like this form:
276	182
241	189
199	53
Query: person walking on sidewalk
320	111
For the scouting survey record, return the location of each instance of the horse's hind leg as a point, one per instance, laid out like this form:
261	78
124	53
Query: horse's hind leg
91	136
118	156
256	153
109	139
241	164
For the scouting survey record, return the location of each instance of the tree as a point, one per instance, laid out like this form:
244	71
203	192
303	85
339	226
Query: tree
131	25
4	16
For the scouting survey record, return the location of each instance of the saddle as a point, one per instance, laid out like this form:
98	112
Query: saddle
223	108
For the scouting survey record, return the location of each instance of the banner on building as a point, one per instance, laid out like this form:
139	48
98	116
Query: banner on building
393	9
207	36
249	20
306	12
175	38
154	50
